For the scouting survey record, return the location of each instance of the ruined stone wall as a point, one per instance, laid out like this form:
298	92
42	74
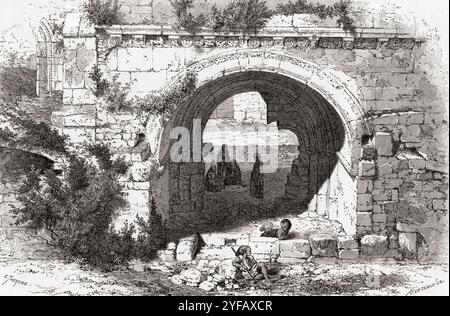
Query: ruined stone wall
401	171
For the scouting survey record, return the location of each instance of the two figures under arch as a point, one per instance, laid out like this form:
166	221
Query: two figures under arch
227	173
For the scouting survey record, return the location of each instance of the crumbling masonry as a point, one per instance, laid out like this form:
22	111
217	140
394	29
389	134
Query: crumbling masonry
371	123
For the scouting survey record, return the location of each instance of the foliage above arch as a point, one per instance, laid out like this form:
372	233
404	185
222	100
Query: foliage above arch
250	16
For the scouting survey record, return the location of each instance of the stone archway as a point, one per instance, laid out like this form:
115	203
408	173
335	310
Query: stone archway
319	105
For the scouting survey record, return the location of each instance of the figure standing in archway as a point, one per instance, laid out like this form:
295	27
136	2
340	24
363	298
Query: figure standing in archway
257	180
213	182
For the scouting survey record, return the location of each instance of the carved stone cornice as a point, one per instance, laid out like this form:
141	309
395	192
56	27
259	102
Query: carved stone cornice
288	38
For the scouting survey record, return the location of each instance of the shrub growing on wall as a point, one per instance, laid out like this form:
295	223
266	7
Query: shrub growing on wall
186	20
77	210
115	94
241	16
16	78
164	104
103	12
152	235
339	10
250	16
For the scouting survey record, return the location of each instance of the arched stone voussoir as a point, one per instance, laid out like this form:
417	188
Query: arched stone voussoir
335	86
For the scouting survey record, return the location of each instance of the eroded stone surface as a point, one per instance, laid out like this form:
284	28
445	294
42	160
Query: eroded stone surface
323	245
372	245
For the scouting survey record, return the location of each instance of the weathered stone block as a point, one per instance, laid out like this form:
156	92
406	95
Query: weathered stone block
192	277
415	119
440	205
295	249
82	97
393	184
207	286
379	218
364	186
437	166
372	245
265	246
135	59
364	219
411	134
384	170
381	195
348	242
323	245
349	254
384	144
367	169
71	25
187	249
390	119
364	202
138	197
408	241
368	153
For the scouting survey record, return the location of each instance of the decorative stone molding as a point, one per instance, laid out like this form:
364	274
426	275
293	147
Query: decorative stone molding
366	43
330	42
308	38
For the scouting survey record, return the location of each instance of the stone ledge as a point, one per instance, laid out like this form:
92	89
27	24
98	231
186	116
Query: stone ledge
283	31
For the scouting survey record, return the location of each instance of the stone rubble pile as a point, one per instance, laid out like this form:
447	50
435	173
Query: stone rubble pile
318	248
214	275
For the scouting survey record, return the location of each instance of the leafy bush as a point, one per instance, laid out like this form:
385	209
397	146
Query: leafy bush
6	135
185	19
41	135
116	96
164	104
241	16
252	15
152	236
77	211
101	84
103	12
105	160
341	10
17	81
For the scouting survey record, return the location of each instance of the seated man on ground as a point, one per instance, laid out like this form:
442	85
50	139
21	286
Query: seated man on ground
247	268
282	233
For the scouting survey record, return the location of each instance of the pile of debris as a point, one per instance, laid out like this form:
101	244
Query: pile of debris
209	276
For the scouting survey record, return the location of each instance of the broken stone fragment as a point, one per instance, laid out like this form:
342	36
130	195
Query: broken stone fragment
348	242
323	245
207	286
226	269
192	277
408	242
367	168
384	144
218	278
177	280
299	249
187	248
372	245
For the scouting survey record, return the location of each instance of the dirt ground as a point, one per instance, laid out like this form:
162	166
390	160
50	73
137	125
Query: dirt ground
56	278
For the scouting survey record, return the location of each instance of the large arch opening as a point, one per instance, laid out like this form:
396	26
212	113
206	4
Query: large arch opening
320	181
